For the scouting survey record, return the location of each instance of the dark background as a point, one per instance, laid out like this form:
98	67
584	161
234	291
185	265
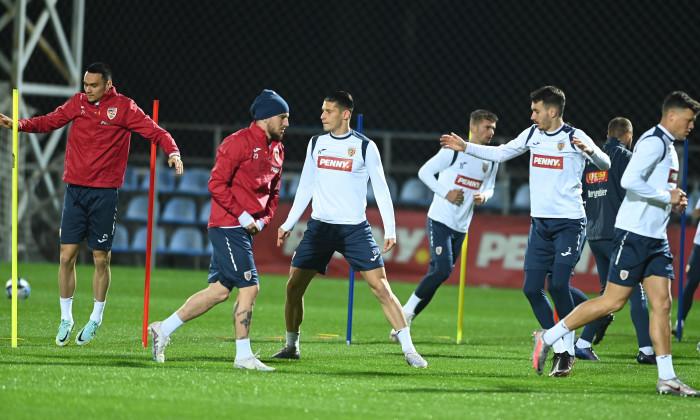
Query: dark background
411	65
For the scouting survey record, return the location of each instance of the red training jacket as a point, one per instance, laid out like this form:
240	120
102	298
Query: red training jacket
98	141
246	177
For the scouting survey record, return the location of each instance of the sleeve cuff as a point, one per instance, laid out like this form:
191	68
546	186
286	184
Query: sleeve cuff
245	219
260	224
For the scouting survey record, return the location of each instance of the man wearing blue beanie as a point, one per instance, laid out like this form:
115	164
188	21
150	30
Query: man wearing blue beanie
244	187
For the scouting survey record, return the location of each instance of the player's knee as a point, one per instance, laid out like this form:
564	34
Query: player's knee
101	259
532	292
557	288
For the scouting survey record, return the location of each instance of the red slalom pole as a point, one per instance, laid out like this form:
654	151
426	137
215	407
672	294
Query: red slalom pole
149	230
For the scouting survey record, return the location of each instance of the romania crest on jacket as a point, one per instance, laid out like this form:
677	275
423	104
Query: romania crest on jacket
111	113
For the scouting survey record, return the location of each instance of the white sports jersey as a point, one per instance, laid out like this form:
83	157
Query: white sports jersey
335	175
457	170
556	166
650	175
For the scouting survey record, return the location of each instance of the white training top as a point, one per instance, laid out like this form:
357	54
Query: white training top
556	167
457	171
648	179
335	175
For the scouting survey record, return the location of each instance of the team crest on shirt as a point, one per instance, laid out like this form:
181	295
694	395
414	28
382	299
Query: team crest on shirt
351	151
485	166
248	275
277	155
111	113
560	145
624	274
438	250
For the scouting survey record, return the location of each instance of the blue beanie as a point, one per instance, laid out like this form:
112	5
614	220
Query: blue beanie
268	104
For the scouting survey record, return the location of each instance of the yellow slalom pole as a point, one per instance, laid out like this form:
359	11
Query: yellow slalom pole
15	174
462	276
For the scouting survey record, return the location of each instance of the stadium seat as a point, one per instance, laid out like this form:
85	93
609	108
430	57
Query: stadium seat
137	209
415	192
138	244
290	182
204	213
120	243
187	241
521	200
131	179
165	181
180	210
393	189
497	199
194	181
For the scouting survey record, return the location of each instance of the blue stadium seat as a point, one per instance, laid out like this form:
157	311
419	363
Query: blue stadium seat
180	210
393	189
138	244
415	192
521	199
204	213
165	181
120	243
194	181
131	179
187	241
137	209
290	182
496	201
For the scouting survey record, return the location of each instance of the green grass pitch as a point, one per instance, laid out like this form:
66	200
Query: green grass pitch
488	376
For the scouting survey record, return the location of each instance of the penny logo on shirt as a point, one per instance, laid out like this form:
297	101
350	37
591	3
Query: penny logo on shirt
111	113
551	162
336	164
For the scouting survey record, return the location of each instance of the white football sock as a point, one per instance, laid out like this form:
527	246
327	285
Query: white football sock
583	344
171	324
558	346
410	306
568	340
67	308
648	350
556	332
665	365
293	339
243	350
97	311
405	340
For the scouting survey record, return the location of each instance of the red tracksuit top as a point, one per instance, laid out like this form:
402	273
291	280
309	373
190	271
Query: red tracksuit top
98	141
246	177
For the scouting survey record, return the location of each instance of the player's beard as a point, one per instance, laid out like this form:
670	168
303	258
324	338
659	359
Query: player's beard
277	135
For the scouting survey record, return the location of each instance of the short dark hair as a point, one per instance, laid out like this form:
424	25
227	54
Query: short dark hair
550	96
342	99
680	100
481	114
618	126
102	69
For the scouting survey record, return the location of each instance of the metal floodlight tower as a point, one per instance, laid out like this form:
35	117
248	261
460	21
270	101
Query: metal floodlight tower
63	49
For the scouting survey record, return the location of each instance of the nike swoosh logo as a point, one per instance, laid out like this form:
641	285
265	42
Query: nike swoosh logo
256	149
101	240
64	337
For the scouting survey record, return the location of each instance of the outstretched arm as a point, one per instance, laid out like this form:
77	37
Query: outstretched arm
5	121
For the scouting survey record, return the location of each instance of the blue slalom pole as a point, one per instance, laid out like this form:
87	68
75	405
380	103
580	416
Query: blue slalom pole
351	291
681	263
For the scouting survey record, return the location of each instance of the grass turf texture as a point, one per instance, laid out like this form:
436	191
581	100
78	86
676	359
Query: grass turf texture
488	376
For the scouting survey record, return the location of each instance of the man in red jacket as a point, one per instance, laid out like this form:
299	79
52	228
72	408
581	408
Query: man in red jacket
244	187
96	155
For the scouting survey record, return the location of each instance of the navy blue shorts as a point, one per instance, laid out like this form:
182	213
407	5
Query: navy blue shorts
232	261
322	239
89	214
636	257
554	241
